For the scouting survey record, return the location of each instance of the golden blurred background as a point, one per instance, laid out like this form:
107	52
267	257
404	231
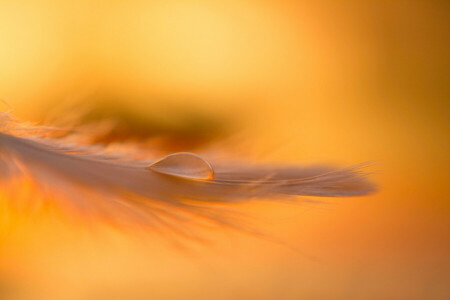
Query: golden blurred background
306	81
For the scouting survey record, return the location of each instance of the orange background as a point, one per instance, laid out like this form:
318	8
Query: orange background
322	81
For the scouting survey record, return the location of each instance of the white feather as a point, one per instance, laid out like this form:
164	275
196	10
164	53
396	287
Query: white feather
149	192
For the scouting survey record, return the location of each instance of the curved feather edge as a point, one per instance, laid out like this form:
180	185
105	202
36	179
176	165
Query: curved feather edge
124	191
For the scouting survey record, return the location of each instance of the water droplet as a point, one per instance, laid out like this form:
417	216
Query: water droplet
183	164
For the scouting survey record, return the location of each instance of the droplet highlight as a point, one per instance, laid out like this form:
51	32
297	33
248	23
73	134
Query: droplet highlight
184	165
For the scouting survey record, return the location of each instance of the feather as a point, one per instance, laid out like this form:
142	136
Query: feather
121	189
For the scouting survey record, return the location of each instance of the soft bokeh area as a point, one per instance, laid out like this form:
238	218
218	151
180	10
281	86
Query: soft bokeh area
285	81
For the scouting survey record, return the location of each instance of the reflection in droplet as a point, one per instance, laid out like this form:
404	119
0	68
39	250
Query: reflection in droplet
183	164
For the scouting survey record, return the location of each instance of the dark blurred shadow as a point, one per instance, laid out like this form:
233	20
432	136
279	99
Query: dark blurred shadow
169	126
